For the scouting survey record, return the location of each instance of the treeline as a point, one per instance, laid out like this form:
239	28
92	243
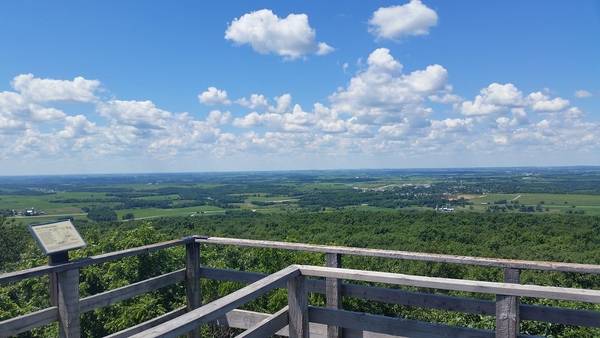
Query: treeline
394	198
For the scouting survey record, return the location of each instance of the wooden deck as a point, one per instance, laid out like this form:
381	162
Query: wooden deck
298	318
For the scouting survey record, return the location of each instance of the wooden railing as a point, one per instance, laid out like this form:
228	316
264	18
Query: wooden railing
298	317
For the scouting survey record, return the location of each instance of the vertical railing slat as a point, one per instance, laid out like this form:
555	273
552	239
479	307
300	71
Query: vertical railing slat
333	292
68	303
297	307
507	308
192	279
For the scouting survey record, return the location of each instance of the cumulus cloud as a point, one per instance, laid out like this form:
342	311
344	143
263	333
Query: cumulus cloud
139	114
255	101
541	102
396	22
582	93
382	91
217	117
44	90
494	98
214	96
383	110
290	37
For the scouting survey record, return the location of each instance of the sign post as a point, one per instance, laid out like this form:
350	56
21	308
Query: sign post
56	239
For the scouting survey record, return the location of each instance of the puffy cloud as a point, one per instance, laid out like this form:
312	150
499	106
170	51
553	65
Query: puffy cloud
396	22
254	102
582	93
15	106
139	114
214	96
282	103
324	49
76	126
541	102
494	98
382	92
290	37
43	90
217	117
383	110
499	98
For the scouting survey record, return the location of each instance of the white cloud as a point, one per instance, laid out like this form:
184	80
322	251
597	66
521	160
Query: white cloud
493	99
383	110
282	104
214	96
541	102
396	22
76	126
217	117
44	90
382	92
139	114
290	37
582	93
256	101
324	49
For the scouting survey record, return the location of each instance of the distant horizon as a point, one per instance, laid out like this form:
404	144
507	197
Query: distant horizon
583	166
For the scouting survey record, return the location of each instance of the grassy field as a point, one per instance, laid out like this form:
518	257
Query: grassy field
553	202
155	212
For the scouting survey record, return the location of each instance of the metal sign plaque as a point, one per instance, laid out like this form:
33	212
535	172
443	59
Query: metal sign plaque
57	237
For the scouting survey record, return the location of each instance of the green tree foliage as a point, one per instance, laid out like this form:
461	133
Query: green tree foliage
508	235
102	214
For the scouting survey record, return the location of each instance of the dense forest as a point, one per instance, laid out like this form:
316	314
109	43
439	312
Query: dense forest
525	236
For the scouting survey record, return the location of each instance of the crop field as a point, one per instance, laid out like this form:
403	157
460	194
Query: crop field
553	202
162	195
156	212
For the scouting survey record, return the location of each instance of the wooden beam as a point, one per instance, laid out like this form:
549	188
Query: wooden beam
507	309
333	292
129	291
14	326
16	276
359	321
417	256
268	326
425	300
148	324
391	325
244	319
589	296
68	304
219	307
192	280
298	307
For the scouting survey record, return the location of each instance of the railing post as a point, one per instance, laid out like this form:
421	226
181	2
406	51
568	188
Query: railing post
333	292
507	308
68	303
55	259
297	307
192	279
64	294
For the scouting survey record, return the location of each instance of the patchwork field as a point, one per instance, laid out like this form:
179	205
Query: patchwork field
590	204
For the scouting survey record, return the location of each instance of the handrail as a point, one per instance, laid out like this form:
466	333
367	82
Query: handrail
83	262
219	307
297	295
408	255
452	284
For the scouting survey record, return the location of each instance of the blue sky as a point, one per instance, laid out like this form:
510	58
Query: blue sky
144	65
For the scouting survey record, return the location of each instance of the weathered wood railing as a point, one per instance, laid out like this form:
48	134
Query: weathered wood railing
324	322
